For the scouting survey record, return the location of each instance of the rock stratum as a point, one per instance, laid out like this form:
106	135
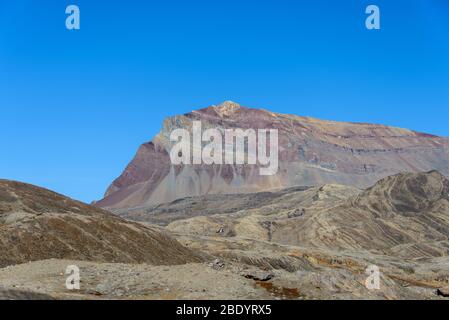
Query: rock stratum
312	152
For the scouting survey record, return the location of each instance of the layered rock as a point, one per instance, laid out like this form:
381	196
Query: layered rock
405	215
402	216
312	152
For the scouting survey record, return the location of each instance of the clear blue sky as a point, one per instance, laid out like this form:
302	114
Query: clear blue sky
75	105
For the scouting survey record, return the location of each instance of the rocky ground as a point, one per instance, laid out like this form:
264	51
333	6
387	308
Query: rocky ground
265	272
295	243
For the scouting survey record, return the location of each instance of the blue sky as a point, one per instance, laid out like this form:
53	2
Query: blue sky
75	105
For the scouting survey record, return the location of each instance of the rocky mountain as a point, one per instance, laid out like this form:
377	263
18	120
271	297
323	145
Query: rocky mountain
312	152
37	224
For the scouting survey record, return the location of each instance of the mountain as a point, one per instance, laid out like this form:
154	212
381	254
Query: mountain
312	152
37	224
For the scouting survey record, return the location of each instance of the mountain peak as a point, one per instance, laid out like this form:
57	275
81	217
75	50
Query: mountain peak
227	107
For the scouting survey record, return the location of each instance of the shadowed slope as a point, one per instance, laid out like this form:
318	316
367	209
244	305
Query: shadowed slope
39	224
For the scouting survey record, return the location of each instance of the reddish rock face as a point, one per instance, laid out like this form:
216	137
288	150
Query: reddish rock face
311	152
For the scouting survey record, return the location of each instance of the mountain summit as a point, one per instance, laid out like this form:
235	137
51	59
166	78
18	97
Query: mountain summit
227	108
311	152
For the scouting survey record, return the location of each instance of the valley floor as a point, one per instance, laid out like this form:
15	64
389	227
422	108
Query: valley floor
267	271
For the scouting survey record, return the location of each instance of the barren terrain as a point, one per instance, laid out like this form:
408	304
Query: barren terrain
294	243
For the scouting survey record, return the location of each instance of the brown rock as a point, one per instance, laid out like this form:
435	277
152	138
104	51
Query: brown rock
37	224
